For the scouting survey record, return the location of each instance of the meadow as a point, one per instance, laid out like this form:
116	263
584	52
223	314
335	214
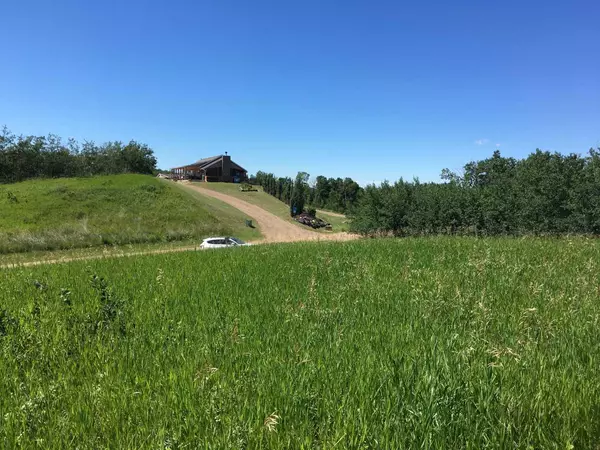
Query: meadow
413	343
67	213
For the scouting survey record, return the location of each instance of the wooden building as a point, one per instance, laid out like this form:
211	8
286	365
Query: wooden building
215	168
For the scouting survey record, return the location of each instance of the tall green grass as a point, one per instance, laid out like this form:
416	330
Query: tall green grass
416	343
108	210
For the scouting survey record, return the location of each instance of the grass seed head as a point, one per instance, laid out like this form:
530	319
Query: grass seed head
271	422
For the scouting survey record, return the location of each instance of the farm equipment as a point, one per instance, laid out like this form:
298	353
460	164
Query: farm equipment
311	221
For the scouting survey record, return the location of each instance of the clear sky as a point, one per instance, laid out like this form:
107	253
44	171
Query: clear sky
368	89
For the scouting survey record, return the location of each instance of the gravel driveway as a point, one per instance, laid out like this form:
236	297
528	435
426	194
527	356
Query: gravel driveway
273	228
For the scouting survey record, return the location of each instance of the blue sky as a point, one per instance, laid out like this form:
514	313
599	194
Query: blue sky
368	89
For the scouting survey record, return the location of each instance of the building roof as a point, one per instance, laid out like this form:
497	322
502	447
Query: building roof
205	163
238	167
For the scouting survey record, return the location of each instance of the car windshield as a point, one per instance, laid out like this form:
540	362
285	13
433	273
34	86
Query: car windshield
237	241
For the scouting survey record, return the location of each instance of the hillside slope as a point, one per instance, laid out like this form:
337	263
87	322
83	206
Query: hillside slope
118	209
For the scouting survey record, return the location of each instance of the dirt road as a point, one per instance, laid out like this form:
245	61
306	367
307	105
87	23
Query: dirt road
331	213
273	228
101	255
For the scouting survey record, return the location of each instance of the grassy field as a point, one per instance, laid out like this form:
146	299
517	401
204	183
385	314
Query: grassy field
120	209
414	343
270	203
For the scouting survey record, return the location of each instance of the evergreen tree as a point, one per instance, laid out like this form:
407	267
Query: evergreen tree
299	193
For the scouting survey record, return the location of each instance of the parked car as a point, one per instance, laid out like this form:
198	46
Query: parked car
222	242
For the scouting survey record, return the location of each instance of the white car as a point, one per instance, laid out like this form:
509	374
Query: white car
222	242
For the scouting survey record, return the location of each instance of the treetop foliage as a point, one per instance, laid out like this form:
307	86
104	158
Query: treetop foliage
25	157
545	193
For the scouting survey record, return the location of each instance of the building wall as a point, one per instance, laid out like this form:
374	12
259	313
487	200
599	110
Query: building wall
226	173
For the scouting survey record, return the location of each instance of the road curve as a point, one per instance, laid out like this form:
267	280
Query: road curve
273	228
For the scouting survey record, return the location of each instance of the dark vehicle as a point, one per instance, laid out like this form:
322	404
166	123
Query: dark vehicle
311	221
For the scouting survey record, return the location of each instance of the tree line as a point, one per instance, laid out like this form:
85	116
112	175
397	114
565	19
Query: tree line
545	193
334	194
25	157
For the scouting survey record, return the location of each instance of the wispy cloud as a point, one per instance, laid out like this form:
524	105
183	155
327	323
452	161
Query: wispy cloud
481	141
497	145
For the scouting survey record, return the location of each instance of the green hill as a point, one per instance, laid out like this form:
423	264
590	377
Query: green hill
105	210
